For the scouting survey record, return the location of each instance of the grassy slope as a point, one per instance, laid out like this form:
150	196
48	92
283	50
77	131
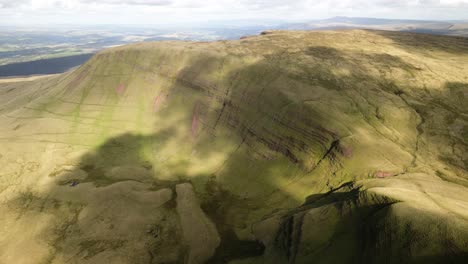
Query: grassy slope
311	142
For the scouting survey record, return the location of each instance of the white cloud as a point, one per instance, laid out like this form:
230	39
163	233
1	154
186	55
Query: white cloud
131	2
184	11
253	4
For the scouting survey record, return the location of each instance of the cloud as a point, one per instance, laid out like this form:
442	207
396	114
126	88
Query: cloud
244	4
65	3
131	2
184	11
12	4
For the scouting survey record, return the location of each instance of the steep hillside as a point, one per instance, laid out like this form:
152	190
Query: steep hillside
289	147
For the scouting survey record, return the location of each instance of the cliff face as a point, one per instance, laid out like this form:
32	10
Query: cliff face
289	147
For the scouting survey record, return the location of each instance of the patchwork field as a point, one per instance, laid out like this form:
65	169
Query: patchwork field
288	147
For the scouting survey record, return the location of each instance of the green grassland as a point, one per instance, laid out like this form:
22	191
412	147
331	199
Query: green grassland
288	147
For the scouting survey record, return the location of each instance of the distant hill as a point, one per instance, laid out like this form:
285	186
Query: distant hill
458	28
288	147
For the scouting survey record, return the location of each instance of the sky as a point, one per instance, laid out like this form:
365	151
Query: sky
202	12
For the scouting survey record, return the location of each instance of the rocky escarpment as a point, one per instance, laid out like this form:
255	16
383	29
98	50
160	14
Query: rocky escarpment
289	147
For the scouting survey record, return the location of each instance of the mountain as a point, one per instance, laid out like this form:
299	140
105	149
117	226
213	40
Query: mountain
287	147
455	28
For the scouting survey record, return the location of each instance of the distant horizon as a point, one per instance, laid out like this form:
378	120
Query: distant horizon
237	23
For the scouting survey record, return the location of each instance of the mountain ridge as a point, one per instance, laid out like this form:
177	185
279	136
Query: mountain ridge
282	148
437	27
